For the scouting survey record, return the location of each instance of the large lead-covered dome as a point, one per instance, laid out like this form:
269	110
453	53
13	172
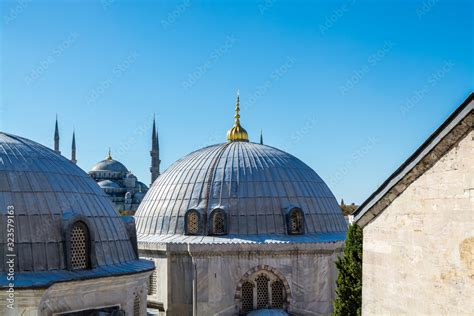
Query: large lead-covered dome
256	186
42	195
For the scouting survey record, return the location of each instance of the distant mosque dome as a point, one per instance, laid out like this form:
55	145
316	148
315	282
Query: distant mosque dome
114	178
122	186
109	164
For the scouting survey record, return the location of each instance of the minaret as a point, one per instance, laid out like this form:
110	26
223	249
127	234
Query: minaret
261	137
155	154
73	148
56	137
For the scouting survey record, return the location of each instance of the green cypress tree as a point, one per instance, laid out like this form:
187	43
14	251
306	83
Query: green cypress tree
348	300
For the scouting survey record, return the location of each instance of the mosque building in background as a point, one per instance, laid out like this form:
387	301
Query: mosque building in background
123	188
238	228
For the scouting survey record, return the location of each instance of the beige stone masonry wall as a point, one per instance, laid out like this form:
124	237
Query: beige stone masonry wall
419	252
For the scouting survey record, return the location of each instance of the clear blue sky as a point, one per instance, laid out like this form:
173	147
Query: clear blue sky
352	88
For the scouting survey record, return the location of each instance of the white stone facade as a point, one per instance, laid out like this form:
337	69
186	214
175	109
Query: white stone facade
67	297
307	270
419	252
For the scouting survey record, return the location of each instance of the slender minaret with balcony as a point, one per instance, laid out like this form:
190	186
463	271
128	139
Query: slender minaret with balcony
73	148
155	154
56	137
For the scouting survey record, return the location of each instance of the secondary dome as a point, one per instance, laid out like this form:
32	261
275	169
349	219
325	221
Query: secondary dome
107	184
109	164
254	185
47	194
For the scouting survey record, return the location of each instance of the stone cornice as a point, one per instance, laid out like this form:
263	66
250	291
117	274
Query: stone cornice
201	251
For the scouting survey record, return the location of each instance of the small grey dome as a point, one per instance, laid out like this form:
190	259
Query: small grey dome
253	184
109	165
46	191
142	186
108	184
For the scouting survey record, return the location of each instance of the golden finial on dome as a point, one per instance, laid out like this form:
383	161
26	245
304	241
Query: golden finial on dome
237	132
109	156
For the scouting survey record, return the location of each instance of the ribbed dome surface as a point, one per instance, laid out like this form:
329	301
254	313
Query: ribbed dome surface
110	165
252	183
43	186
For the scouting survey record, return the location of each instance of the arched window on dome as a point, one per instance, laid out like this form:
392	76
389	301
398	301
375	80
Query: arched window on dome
79	246
218	222
295	221
192	222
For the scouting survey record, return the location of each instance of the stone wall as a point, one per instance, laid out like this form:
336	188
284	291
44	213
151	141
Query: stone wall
419	252
81	295
311	280
309	271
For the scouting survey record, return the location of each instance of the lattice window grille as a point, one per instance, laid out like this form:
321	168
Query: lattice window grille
79	255
193	223
136	306
247	297
152	283
262	291
219	225
278	294
295	222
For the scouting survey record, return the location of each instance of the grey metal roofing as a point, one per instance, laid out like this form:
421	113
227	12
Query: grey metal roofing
410	169
109	165
43	186
252	183
240	239
47	278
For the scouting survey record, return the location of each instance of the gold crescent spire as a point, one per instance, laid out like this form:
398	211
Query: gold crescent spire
237	132
109	156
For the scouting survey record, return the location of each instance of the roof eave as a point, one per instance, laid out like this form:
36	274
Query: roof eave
461	120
